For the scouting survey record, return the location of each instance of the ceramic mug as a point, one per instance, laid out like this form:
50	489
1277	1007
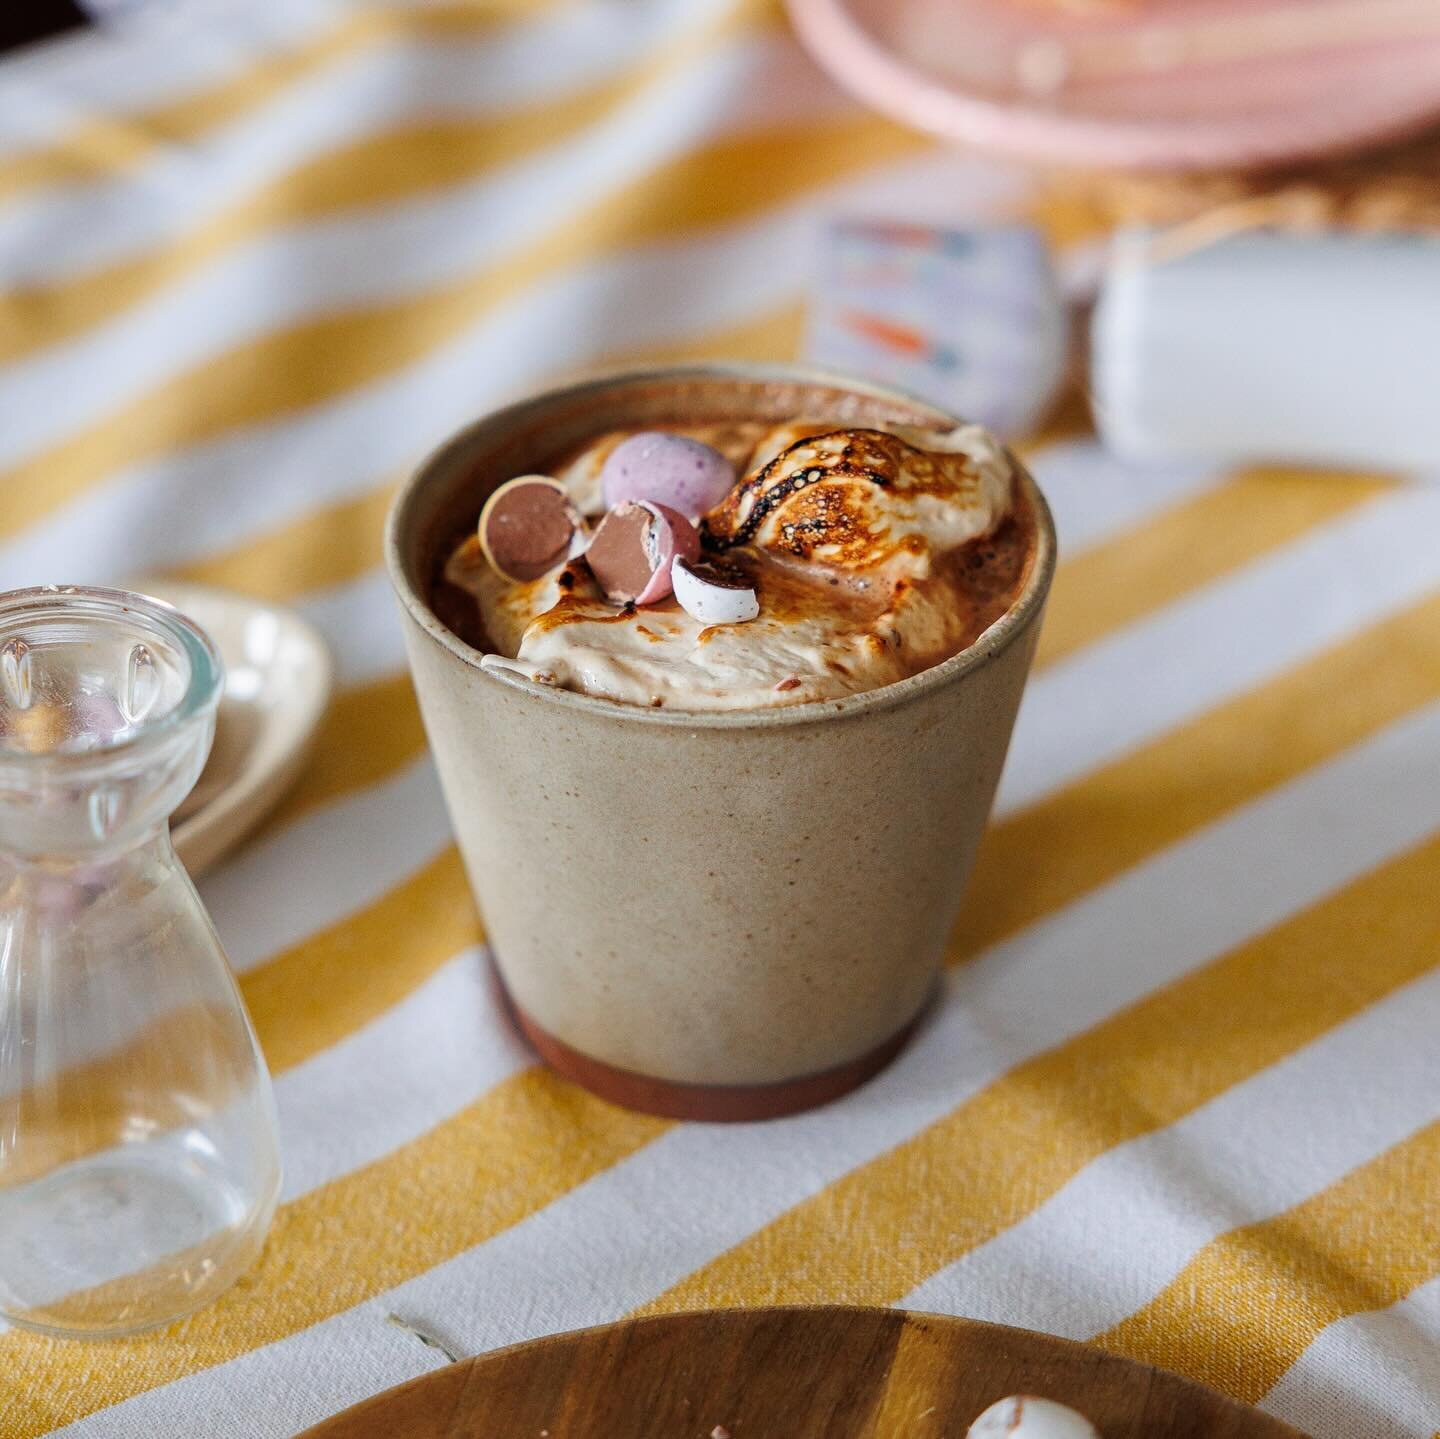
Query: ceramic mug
727	915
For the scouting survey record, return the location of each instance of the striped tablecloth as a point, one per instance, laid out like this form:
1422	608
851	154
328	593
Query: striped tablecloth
1181	1095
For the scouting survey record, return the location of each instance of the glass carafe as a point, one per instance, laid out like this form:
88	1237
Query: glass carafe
139	1165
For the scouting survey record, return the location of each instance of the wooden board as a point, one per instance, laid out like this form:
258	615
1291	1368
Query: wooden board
813	1373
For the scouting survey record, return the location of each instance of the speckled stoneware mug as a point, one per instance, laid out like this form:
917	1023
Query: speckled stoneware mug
724	915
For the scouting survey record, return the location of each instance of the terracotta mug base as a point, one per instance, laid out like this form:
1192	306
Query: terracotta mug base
712	1103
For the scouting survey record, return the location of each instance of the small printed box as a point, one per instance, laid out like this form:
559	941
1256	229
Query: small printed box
971	320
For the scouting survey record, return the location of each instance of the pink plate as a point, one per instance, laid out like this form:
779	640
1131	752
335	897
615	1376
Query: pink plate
1163	84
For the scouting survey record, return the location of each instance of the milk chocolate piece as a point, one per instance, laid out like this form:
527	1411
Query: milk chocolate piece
634	547
527	527
618	555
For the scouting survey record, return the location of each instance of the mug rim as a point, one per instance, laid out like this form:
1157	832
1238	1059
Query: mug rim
980	652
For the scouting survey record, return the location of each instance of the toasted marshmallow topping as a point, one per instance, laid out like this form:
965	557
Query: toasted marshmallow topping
858	499
841	536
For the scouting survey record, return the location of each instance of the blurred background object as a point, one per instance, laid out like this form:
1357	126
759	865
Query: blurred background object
1248	321
1158	83
25	22
278	681
1317	348
1274	313
970	319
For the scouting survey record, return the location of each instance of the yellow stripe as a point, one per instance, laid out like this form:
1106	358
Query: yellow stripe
523	1145
334	982
378	169
339	543
369	733
984	1167
1035	861
329	355
324	547
1250	1303
1200	540
89	1106
114	144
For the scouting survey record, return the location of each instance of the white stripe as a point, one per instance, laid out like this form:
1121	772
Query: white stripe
330	862
61	233
361	621
1370	1374
217	494
131	67
415	1066
702	1189
1220	641
1251	1153
1093	494
392	252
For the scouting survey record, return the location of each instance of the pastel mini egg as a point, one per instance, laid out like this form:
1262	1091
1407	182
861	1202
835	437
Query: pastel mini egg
686	475
634	547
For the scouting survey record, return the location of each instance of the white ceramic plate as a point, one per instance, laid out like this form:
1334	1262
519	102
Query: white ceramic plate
278	679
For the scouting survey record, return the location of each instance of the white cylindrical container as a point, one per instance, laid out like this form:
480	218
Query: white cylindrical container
1272	346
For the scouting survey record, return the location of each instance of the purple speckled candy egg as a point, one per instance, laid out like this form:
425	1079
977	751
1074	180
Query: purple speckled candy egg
667	470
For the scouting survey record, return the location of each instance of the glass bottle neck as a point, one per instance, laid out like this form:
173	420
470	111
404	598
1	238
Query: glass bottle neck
87	868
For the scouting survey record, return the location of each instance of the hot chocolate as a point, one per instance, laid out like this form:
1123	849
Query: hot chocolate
740	566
